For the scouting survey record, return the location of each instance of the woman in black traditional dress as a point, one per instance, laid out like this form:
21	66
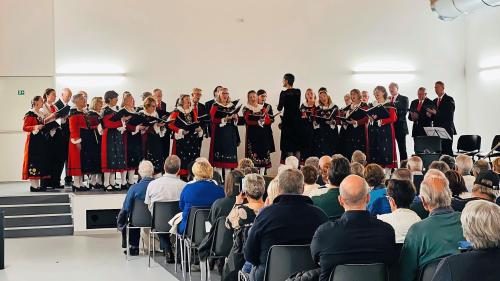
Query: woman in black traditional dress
152	142
291	135
257	147
355	131
343	126
186	142
225	138
326	134
262	96
381	138
307	115
132	141
35	149
91	144
112	149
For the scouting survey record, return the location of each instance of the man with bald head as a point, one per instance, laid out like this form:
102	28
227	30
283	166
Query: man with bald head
355	238
436	236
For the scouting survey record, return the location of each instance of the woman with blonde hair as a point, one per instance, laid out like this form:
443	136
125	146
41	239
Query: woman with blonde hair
326	135
92	147
152	136
307	115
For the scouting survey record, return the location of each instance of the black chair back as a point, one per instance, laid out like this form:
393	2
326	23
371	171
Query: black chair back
428	144
223	239
427	271
427	159
163	212
195	227
140	215
285	260
359	272
469	144
496	140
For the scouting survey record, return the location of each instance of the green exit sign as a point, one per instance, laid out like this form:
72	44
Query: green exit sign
20	92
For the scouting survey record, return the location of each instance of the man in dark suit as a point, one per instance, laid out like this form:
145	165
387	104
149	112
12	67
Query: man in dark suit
208	106
400	127
161	108
355	238
200	110
442	115
60	103
417	115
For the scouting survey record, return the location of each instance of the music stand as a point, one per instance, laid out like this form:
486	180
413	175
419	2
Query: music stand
437	132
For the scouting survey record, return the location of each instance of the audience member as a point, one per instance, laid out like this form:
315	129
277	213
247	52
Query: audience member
450	160
291	219
136	192
324	164
401	194
312	161
357	169
272	191
375	176
439	165
166	188
403	174
292	161
486	186
464	168
200	193
232	187
327	198
434	237
310	177
358	157
496	165
403	164
481	228
481	165
416	165
458	190
355	238
282	168
245	163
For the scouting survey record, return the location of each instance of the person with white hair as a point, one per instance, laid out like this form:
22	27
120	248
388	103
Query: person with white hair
136	192
464	167
482	230
357	237
292	161
416	166
436	236
324	165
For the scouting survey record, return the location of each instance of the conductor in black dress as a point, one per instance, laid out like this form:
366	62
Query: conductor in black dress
442	116
401	104
418	116
289	103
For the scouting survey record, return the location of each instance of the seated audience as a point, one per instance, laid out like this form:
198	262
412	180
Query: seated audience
200	193
481	228
464	168
416	166
283	167
355	238
458	190
436	236
401	194
449	160
291	219
417	205
245	163
357	169
136	192
216	177
248	204
403	174
222	206
166	188
292	161
486	186
272	192
496	165
479	166
375	176
328	201
324	164
310	177
439	165
358	157
403	164
312	161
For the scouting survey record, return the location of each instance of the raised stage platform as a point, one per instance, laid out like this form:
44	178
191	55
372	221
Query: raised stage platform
58	212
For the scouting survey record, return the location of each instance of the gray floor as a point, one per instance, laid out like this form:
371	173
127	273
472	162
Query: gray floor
75	258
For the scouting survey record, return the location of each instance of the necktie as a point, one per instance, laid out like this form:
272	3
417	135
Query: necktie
392	99
52	108
419	106
439	102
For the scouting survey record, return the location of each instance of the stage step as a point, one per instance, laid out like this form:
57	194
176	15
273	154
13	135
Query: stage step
37	215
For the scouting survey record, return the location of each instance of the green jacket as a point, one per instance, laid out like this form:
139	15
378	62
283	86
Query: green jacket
434	237
329	203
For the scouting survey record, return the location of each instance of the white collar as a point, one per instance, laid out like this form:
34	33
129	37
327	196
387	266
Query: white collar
181	109
38	113
107	105
228	105
254	108
154	114
326	107
309	106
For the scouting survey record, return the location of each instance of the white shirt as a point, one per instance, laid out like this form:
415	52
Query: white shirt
320	191
401	220
308	188
165	188
469	182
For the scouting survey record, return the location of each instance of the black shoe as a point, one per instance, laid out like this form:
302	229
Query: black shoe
78	189
32	189
169	256
124	186
91	186
133	251
60	186
117	187
109	188
98	186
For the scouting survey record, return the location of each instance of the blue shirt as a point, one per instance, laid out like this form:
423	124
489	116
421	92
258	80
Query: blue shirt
136	191
378	204
202	193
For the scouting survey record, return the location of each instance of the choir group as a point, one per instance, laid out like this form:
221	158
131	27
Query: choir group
101	139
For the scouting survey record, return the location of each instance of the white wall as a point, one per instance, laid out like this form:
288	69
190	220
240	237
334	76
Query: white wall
483	94
178	45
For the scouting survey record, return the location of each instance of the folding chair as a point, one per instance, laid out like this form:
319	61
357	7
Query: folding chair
139	218
163	212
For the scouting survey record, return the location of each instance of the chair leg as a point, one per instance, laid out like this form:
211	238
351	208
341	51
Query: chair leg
188	250
183	262
207	264
154	246
149	250
128	240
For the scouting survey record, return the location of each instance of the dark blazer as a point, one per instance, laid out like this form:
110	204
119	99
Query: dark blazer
474	265
162	110
355	238
423	120
64	126
208	107
401	103
445	114
202	110
291	220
